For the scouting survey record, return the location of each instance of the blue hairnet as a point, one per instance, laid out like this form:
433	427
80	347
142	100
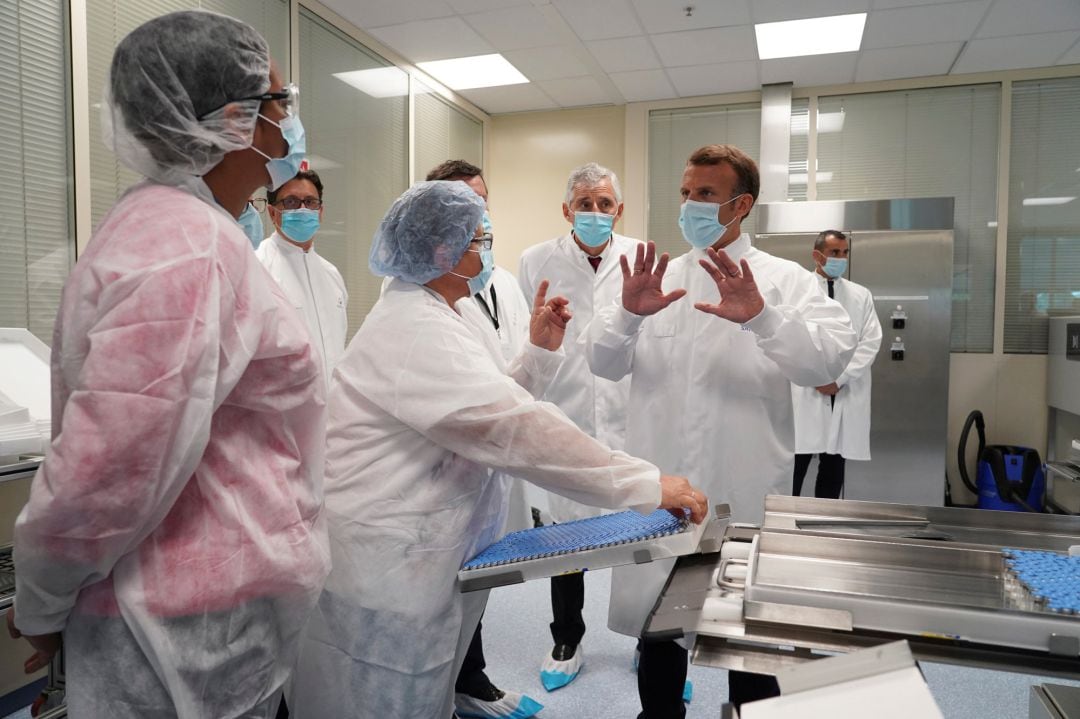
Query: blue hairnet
172	105
426	231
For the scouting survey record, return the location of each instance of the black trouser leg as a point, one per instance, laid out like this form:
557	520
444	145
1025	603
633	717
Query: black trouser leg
471	679
746	687
660	679
282	710
802	463
830	476
567	601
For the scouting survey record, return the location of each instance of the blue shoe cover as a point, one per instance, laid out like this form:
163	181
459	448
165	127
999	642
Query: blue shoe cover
688	691
556	674
511	706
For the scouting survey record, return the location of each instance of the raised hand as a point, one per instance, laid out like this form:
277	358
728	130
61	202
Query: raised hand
547	326
643	292
740	299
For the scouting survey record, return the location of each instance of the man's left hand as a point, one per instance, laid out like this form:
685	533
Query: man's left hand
828	389
45	645
549	317
740	300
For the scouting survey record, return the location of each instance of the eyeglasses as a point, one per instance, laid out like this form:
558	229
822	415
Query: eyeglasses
484	242
287	96
295	203
259	203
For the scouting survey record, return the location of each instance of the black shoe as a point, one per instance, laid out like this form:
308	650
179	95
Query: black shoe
489	693
563	652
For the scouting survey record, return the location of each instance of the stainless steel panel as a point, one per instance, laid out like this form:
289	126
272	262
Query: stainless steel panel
775	142
1063	369
922	213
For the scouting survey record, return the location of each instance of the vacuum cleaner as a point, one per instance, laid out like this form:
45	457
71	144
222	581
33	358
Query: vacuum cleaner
1008	478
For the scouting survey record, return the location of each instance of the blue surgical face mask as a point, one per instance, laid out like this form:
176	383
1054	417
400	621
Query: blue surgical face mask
487	266
700	223
300	225
283	169
835	266
593	229
485	222
251	223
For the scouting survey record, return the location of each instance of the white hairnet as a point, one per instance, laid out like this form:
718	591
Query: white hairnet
426	231
171	107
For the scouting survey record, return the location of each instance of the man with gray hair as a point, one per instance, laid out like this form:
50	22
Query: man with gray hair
583	266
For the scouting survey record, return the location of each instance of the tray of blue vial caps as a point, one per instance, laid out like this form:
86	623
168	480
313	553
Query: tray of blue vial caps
593	543
1047	581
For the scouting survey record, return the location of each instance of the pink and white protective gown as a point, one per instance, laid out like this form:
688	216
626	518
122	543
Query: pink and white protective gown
175	530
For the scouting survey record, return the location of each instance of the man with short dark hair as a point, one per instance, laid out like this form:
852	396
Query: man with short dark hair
312	284
833	420
710	387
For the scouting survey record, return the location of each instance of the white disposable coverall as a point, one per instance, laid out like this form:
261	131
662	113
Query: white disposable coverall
843	428
597	405
515	313
710	399
317	291
174	531
419	412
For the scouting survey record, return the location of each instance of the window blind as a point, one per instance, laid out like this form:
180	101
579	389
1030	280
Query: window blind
939	142
1043	260
36	225
443	132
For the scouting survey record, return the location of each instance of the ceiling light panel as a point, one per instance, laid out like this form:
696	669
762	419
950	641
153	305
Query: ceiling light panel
814	36
466	73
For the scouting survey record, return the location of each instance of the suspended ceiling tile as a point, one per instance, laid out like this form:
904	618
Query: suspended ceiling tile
837	69
912	61
1072	57
1023	17
513	28
643	85
1012	53
715	79
923	25
439	39
778	10
509	98
575	91
624	54
379	13
547	63
888	4
703	47
670	15
599	19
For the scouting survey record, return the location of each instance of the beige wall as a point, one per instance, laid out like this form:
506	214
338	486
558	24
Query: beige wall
530	157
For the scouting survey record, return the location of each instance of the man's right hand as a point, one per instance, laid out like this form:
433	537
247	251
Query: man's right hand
643	292
676	494
45	645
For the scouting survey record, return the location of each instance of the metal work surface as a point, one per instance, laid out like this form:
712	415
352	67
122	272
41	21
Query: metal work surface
827	576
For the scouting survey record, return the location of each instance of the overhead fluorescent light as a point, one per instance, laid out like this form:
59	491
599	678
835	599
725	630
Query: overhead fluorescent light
1046	201
992	224
813	36
826	122
466	73
377	82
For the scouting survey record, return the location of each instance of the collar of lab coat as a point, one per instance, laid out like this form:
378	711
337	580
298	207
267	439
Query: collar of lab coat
287	247
578	257
736	250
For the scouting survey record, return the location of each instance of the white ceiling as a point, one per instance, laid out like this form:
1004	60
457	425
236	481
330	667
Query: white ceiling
591	52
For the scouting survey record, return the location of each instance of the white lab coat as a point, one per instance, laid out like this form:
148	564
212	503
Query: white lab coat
419	412
710	399
515	314
843	428
175	531
597	405
317	291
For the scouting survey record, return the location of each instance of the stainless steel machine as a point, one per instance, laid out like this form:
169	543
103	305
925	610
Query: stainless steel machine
902	250
830	576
